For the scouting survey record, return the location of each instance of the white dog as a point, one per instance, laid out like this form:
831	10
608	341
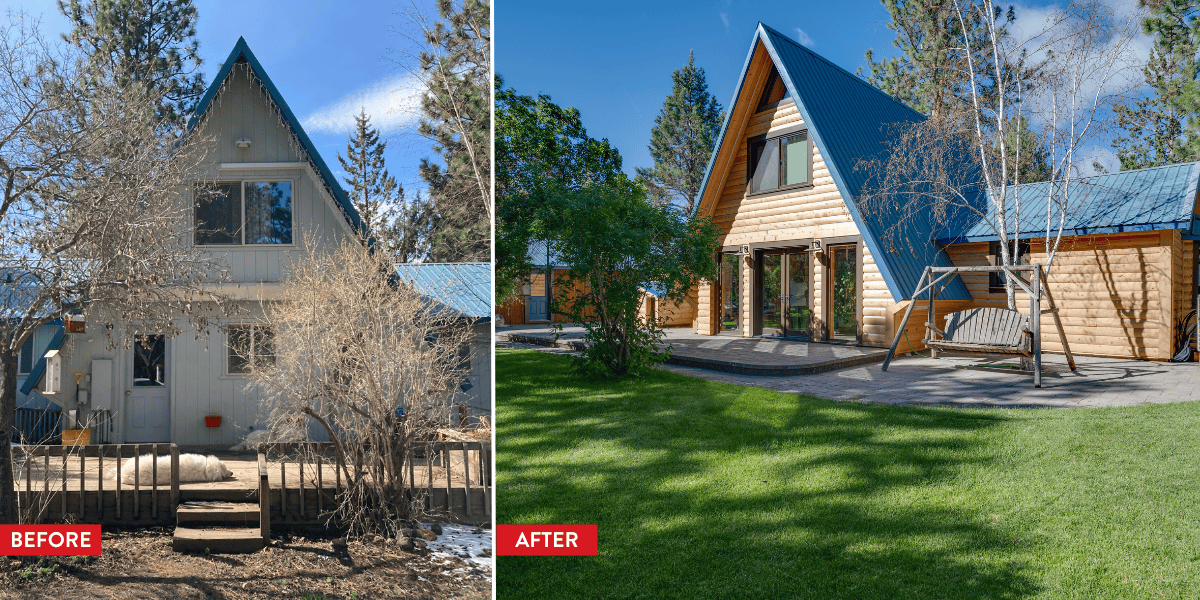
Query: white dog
192	467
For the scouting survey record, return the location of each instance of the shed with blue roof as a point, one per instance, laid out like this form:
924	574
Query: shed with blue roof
801	258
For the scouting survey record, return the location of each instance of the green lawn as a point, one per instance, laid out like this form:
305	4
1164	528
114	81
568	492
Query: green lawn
704	489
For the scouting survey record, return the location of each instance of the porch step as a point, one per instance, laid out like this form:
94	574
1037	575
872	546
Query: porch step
212	513
222	540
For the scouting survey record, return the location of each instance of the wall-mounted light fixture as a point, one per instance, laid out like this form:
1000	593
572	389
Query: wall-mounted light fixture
815	247
242	143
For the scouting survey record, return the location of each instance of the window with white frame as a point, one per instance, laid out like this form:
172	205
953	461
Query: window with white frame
236	213
249	346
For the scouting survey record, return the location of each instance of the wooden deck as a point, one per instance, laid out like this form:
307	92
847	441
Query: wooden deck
59	483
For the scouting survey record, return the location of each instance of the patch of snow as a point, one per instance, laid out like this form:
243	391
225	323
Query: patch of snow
461	541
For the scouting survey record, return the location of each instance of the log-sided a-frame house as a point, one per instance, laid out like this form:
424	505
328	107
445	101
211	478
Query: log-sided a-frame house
799	258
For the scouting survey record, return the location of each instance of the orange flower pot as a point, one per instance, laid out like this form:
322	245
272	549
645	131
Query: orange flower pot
212	421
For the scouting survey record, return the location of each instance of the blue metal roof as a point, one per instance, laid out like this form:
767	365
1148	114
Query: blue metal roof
1150	199
241	51
40	366
848	120
464	287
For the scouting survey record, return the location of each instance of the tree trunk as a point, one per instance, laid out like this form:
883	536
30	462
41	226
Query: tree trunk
8	412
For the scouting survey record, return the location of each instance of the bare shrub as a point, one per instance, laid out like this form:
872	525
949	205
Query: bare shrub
373	364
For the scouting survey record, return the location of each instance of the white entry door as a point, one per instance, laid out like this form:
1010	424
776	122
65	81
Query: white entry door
149	411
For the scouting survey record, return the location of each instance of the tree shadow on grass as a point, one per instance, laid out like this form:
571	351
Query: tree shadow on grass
703	489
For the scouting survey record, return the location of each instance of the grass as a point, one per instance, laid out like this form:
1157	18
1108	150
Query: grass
703	489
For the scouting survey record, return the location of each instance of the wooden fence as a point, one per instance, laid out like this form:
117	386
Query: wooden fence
81	493
442	490
56	483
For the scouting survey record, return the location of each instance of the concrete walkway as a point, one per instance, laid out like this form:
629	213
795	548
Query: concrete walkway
922	381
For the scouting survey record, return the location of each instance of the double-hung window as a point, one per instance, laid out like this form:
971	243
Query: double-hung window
237	213
780	162
249	346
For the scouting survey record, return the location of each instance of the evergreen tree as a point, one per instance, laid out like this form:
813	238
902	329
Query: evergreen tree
152	42
457	116
373	191
682	139
1160	129
931	73
410	232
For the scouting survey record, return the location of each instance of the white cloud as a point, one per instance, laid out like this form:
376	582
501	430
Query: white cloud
725	21
804	38
392	104
1105	157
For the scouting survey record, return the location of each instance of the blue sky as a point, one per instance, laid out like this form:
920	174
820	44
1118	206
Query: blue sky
328	59
613	60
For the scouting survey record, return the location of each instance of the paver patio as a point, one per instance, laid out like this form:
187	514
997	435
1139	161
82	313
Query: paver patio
924	381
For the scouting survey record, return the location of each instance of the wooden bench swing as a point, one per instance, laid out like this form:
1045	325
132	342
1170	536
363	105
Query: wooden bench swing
987	330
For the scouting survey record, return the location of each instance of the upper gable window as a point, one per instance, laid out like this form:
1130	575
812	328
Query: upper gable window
773	93
780	162
244	213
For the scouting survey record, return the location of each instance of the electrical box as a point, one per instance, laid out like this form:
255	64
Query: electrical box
53	375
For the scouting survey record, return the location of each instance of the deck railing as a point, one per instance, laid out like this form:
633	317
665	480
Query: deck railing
55	495
307	494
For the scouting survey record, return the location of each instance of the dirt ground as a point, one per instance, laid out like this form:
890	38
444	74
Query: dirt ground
138	564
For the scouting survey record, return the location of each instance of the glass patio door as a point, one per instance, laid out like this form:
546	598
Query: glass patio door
798	316
845	292
730	301
786	303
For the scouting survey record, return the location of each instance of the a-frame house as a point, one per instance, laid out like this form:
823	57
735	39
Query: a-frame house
800	257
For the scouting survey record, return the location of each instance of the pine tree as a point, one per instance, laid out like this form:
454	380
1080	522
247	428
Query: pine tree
410	232
374	192
152	42
930	73
682	139
1160	129
457	109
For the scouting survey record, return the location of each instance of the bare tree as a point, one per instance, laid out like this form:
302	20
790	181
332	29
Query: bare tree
372	363
1080	60
91	217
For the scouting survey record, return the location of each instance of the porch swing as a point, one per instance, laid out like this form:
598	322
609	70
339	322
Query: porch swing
987	330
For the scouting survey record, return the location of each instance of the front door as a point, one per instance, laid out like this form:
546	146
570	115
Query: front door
539	298
149	411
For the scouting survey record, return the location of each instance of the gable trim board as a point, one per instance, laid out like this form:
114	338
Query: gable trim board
842	143
241	52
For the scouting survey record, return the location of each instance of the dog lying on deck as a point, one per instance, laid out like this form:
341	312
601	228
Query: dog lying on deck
192	467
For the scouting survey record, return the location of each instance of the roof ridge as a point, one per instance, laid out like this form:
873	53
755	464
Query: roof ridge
848	74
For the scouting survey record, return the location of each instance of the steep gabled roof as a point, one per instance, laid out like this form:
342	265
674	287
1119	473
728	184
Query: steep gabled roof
241	53
1150	199
848	120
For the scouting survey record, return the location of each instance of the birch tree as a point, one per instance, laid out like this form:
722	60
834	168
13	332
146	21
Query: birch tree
1082	58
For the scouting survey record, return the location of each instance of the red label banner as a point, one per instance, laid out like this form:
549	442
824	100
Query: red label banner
49	540
547	540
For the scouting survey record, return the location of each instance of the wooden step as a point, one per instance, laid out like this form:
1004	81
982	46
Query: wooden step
221	540
219	495
244	513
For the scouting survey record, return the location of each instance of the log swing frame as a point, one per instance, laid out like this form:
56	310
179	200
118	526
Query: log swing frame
1035	288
